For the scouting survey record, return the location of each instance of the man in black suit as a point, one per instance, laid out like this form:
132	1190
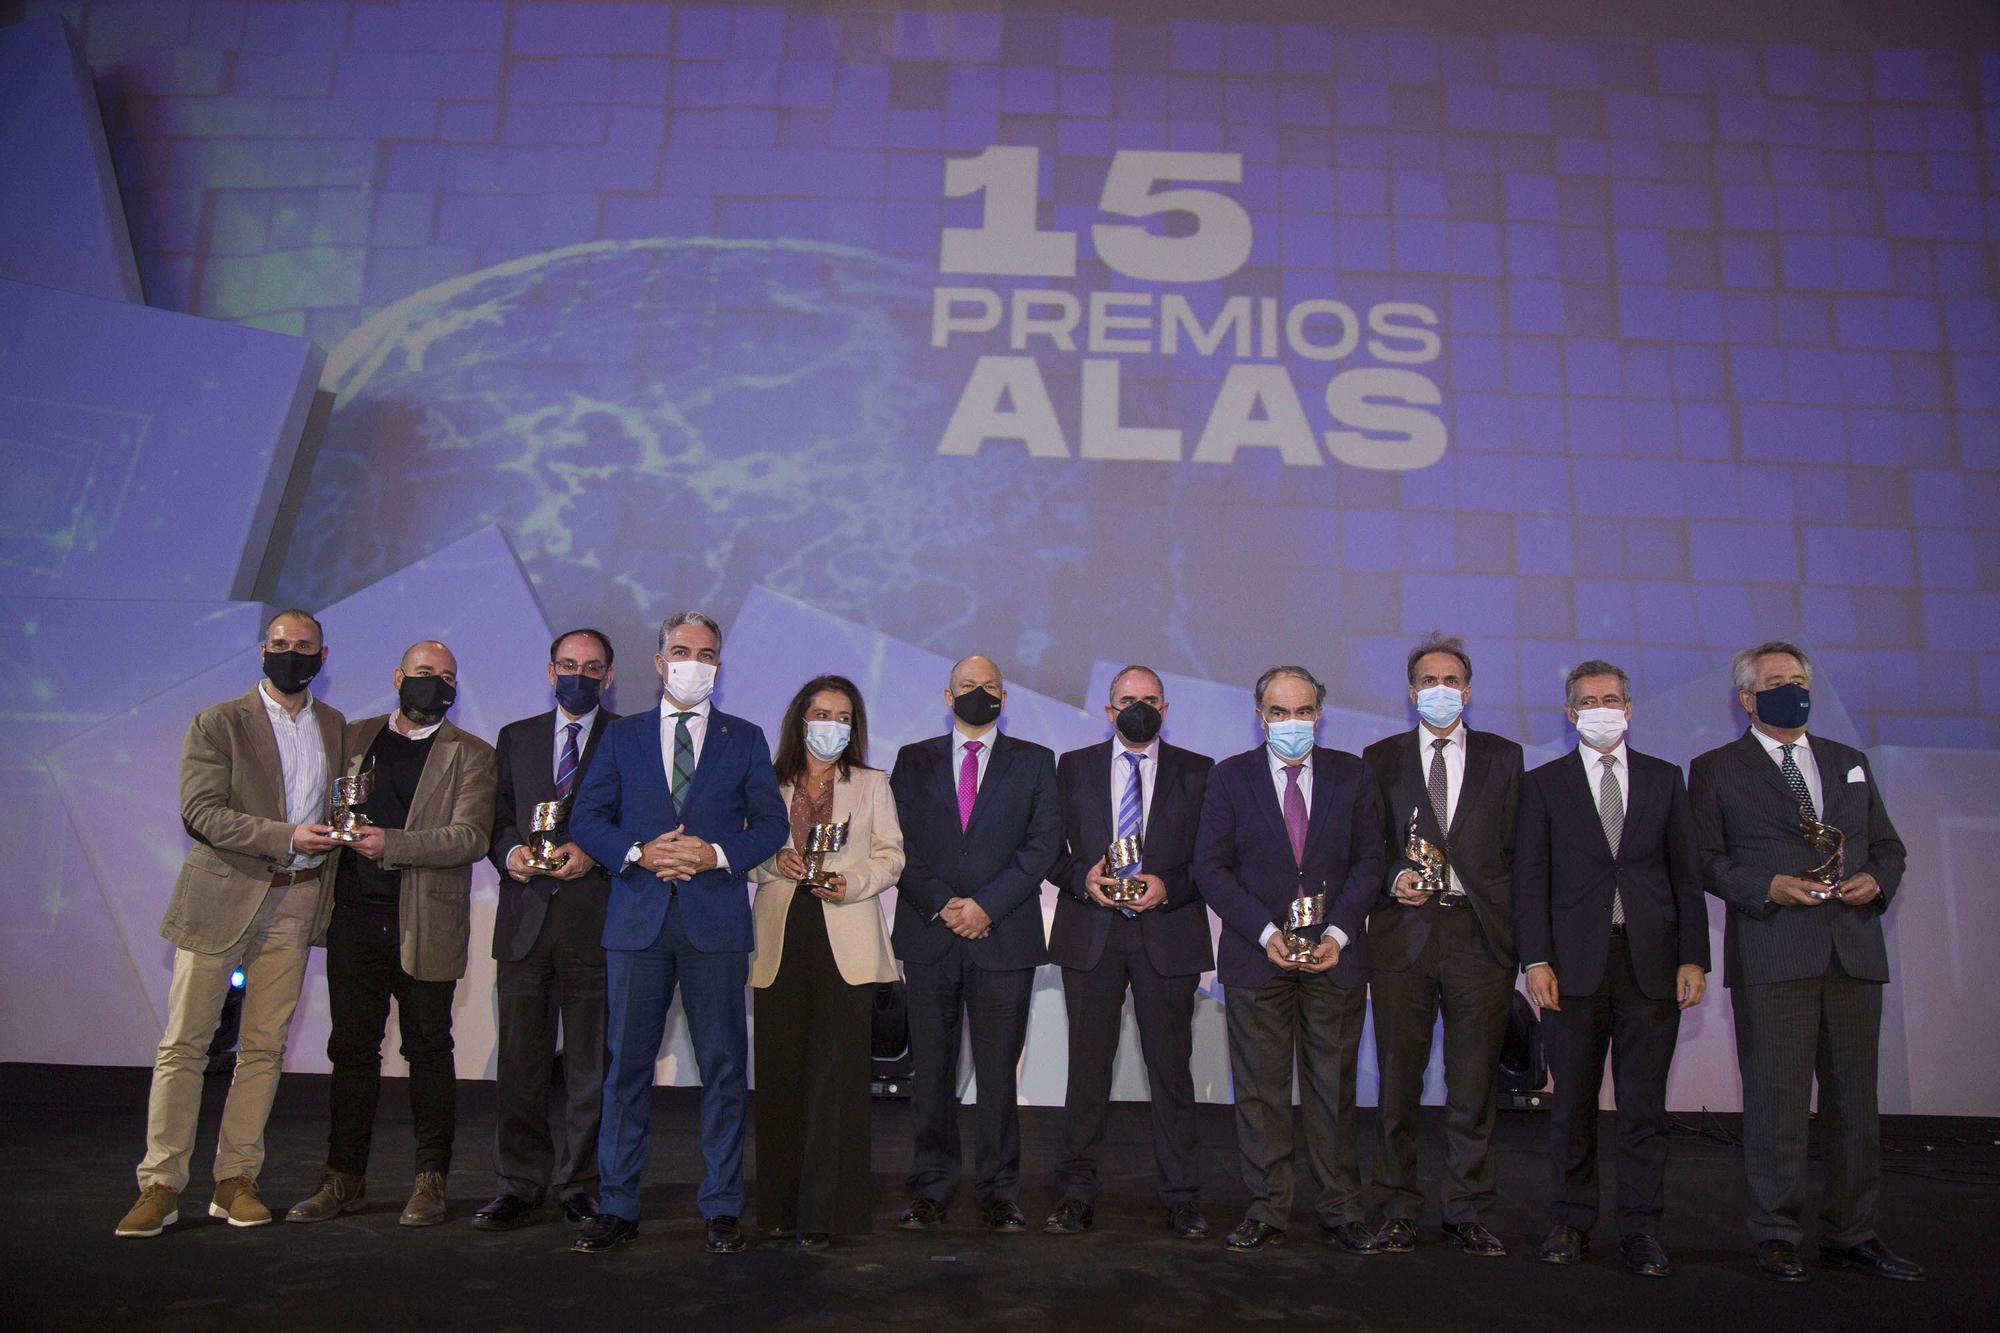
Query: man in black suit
981	829
1612	928
548	929
1805	962
1287	820
1133	785
1451	949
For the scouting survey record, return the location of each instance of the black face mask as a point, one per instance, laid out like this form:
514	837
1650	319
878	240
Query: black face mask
290	672
976	708
578	694
1138	722
1784	706
426	699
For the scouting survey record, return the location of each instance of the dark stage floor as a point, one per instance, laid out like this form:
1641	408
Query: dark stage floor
73	1136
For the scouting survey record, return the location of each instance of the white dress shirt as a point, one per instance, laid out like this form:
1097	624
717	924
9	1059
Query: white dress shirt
1454	780
1279	780
697	726
1595	777
589	720
1121	772
1802	756
958	743
301	766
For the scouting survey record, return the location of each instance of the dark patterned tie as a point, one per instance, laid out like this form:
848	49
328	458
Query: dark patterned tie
1797	781
566	766
1440	792
683	756
1295	813
1611	810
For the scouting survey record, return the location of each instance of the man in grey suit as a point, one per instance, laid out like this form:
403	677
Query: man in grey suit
1805	962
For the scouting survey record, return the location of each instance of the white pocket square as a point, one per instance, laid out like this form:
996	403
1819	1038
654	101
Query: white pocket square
1856	775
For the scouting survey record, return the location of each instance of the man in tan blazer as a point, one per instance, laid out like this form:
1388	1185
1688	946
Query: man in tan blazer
400	922
252	893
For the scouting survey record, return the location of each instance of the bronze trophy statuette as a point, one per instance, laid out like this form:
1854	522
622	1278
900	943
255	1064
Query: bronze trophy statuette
542	841
1427	861
1829	844
1120	857
349	794
1307	911
822	841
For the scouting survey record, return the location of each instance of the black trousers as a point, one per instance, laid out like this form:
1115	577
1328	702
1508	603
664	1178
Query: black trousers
557	985
942	996
1827	1027
1639	1033
363	973
812	1100
1455	975
1164	1007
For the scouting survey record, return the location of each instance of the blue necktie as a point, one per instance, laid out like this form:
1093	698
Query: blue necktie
566	766
1131	813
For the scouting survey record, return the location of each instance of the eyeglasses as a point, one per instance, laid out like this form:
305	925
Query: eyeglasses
565	667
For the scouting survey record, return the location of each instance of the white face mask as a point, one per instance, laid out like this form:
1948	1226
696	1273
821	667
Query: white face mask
827	739
689	681
1601	728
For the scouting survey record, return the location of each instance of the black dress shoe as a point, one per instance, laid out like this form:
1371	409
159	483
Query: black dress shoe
922	1215
1475	1239
578	1209
1349	1236
1643	1254
1070	1218
724	1236
504	1214
1250	1234
1779	1259
812	1242
1871	1256
1005	1217
784	1233
1185	1221
1398	1235
604	1232
1563	1245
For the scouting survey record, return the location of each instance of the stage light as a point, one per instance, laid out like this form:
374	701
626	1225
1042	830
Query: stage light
236	979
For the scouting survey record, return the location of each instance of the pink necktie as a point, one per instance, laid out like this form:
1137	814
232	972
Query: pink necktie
1295	813
968	782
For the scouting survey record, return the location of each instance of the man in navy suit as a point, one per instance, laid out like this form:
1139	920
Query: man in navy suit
680	802
1612	930
1287	819
981	829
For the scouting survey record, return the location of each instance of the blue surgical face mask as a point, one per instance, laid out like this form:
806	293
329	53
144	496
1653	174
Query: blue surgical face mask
1440	705
1784	706
1290	740
827	740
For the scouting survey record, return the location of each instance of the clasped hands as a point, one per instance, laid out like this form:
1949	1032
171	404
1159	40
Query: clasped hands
1793	891
676	855
791	863
1325	954
1096	880
572	862
966	919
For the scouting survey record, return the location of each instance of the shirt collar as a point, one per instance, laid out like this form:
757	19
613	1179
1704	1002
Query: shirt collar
1456	736
1591	756
1775	747
668	708
1119	749
985	738
277	710
1279	765
564	719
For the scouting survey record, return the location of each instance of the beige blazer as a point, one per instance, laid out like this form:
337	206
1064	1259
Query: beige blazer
233	806
451	817
872	860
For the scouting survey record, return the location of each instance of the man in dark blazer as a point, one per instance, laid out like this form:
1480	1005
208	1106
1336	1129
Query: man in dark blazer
1613	934
1285	820
680	804
1450	950
1132	785
548	932
981	829
1805	963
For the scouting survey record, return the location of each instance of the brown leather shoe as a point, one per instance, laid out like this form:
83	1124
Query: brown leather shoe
338	1192
236	1203
426	1205
158	1208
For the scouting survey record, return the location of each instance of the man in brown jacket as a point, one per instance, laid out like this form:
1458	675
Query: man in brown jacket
401	917
252	893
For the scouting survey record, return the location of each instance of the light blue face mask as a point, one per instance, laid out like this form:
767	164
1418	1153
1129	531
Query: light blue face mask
1440	705
827	740
1291	739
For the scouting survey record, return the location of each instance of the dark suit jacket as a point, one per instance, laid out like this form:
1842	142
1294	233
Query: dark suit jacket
1748	823
999	860
1175	934
1564	875
527	778
1480	845
1244	868
732	801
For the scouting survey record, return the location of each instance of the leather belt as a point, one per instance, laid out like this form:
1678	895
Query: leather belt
285	878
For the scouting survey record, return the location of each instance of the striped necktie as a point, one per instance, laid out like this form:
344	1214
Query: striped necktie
566	766
1611	813
683	756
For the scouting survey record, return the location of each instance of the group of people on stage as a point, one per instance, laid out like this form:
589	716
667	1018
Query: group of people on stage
1445	871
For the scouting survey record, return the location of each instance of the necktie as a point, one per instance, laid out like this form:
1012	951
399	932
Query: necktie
1295	813
683	756
968	782
1131	806
1797	781
1611	811
1440	791
566	766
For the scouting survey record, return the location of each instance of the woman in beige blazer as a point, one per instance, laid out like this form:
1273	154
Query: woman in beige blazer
820	954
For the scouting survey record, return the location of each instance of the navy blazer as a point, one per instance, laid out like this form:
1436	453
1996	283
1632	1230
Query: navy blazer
732	801
1174	934
999	860
527	777
1244	868
1564	874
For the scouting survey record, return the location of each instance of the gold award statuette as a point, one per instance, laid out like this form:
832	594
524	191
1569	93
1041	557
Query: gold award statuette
349	794
542	842
1829	844
1120	857
1307	911
822	841
1427	860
